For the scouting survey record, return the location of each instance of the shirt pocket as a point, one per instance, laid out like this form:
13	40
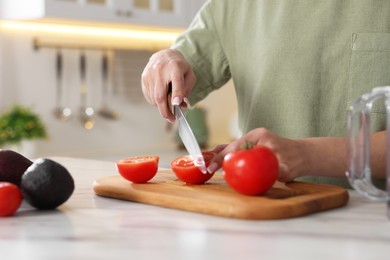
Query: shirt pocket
369	66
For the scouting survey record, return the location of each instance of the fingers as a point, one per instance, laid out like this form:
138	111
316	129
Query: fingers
163	68
219	148
259	136
222	151
216	162
183	79
163	104
284	175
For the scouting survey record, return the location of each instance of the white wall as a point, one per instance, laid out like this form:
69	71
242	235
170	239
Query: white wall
27	77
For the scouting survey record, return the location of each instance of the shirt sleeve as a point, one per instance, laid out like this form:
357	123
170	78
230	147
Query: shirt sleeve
202	47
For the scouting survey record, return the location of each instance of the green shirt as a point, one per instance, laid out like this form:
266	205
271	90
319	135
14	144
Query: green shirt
297	65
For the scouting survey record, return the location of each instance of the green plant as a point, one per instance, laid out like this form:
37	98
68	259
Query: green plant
20	123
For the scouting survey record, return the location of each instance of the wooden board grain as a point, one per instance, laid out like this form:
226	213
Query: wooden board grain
216	198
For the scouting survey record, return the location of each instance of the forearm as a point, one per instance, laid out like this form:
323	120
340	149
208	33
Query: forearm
328	156
378	154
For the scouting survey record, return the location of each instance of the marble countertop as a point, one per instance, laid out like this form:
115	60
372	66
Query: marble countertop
92	227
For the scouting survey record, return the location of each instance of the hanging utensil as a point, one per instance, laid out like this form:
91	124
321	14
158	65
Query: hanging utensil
105	110
61	112
86	112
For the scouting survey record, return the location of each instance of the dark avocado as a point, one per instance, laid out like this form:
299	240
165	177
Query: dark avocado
46	184
12	166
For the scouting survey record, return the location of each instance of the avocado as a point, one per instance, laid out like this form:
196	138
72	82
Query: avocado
46	184
12	166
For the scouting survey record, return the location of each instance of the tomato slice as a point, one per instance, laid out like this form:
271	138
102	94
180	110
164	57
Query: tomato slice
10	199
186	171
139	169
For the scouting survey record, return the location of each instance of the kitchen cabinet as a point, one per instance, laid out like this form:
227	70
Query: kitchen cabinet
156	13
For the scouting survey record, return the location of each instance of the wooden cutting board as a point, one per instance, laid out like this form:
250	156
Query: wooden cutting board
216	198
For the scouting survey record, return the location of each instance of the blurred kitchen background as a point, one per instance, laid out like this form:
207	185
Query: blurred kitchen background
85	55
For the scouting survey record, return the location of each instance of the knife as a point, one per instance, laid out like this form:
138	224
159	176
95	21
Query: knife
189	140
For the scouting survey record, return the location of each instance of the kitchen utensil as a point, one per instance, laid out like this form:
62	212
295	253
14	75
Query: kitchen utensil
189	139
105	110
86	112
196	118
216	198
61	112
359	170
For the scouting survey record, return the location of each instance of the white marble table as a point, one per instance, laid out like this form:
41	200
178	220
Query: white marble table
92	227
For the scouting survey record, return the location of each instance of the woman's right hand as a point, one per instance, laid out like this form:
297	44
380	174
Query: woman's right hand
165	67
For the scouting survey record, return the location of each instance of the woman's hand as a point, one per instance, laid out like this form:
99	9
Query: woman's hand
320	156
290	153
165	67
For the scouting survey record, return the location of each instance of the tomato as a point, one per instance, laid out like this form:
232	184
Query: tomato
10	198
186	171
252	171
138	169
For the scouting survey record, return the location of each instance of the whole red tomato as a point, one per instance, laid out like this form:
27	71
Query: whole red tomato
252	171
138	169
187	172
10	199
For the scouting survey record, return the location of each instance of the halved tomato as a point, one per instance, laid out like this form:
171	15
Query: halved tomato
187	172
138	169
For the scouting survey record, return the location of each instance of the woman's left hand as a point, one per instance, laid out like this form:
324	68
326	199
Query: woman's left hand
291	154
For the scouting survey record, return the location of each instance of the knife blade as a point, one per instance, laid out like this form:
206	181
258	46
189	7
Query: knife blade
189	140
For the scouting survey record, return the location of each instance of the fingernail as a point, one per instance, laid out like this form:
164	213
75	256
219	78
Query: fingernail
169	120
212	167
187	102
176	101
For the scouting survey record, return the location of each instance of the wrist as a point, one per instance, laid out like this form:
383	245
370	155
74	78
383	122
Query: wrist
324	156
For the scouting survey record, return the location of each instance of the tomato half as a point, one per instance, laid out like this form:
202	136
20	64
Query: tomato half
252	171
138	169
10	199
186	171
